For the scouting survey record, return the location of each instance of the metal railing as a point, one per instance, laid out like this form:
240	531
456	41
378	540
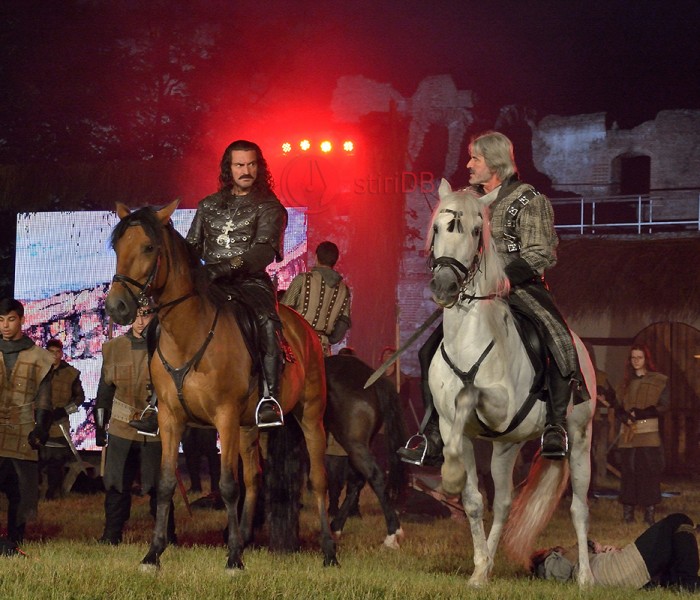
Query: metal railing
653	213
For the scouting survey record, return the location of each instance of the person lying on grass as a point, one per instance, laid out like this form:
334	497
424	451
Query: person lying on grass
666	555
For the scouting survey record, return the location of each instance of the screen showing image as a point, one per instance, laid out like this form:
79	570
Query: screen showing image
63	270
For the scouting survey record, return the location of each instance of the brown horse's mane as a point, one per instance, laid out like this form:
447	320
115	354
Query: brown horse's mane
147	218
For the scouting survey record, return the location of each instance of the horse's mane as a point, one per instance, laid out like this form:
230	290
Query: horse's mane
147	218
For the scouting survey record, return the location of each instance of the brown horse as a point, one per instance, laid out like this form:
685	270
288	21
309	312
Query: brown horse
354	416
202	372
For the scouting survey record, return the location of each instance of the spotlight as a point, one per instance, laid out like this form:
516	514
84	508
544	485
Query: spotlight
326	146
348	146
286	147
305	145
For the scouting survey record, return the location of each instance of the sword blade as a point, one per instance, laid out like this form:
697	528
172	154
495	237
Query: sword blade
392	359
69	439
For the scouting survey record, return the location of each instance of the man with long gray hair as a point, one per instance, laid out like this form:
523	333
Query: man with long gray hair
522	226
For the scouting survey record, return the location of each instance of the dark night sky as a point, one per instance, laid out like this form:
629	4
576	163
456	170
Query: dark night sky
627	58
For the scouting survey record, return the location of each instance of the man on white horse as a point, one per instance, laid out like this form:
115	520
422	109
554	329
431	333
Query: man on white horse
522	225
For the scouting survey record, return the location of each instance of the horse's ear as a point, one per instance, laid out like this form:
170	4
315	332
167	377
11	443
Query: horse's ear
445	188
167	211
122	210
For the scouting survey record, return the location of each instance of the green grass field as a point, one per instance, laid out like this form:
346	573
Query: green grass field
64	560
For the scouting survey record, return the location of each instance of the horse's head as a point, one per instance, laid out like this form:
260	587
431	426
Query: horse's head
456	241
138	242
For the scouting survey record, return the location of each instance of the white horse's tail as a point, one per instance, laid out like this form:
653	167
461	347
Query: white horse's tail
534	506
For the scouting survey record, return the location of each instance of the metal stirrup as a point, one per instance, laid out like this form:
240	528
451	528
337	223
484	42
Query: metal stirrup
566	441
277	423
143	414
424	440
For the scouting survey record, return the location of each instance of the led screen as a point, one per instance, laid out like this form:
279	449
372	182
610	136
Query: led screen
63	269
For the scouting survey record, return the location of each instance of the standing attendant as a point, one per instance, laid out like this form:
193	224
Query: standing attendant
66	395
122	391
642	397
322	297
25	416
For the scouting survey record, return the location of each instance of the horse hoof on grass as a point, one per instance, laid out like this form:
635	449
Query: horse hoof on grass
391	541
148	568
338	533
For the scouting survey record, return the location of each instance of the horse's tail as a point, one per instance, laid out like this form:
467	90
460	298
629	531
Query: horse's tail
534	507
394	436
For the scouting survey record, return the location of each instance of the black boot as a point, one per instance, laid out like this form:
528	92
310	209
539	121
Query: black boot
627	513
425	448
147	423
269	413
555	443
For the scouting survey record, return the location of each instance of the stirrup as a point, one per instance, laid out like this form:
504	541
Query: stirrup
404	453
279	417
559	454
142	417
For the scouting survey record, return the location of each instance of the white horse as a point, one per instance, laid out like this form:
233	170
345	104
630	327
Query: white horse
480	393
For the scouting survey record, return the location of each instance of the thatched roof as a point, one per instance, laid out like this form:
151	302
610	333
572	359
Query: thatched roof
657	277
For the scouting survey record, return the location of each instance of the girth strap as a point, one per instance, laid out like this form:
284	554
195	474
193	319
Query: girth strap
178	375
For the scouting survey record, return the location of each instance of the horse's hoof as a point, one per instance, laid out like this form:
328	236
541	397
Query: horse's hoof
338	533
149	567
454	477
331	561
392	542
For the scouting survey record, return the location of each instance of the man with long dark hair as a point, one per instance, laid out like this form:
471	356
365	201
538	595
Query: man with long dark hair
238	232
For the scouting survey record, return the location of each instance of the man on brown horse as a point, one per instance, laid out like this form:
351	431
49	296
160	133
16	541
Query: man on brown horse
522	225
322	297
238	232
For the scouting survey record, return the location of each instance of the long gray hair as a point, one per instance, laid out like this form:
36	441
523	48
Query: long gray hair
497	151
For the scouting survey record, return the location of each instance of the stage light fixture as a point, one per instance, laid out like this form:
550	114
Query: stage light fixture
326	146
348	146
305	145
286	147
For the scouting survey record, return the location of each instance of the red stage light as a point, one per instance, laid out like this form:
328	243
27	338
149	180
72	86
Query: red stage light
286	147
305	145
348	146
326	146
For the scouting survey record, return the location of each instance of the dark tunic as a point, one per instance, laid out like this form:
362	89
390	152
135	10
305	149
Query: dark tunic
250	227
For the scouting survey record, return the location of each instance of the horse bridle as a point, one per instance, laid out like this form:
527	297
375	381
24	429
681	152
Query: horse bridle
464	275
145	295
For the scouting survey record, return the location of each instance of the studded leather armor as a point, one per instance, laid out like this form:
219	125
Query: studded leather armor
226	226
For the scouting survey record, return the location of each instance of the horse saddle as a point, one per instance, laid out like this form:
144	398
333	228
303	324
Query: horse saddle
248	319
535	343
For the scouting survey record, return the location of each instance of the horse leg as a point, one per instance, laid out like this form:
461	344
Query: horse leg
473	503
354	483
502	464
315	436
249	451
362	460
580	466
230	492
170	435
